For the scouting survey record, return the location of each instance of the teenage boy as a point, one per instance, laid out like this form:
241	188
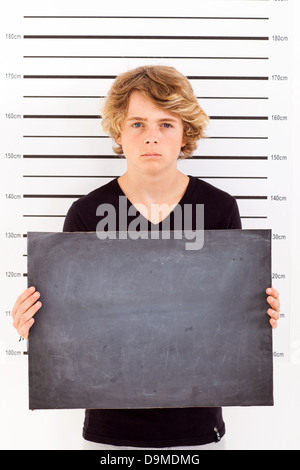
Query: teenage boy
154	118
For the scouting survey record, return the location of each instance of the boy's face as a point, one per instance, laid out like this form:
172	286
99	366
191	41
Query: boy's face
151	137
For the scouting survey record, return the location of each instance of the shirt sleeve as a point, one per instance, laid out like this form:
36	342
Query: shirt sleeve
73	221
231	219
235	218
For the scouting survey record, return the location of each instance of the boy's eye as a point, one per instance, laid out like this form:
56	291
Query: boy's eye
140	124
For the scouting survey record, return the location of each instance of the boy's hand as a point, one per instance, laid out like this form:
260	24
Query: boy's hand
273	301
24	309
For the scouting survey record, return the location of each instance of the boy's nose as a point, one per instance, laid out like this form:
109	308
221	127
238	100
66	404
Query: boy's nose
151	139
151	135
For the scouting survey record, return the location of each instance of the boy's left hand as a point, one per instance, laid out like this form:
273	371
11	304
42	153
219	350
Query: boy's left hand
273	301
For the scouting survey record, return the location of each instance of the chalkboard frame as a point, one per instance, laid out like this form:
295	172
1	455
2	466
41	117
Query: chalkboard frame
158	348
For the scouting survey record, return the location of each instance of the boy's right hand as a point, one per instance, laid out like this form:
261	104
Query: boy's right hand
24	309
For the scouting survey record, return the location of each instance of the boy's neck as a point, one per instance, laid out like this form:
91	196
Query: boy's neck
154	189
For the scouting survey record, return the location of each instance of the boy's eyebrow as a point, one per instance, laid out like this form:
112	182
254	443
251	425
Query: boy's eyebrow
137	118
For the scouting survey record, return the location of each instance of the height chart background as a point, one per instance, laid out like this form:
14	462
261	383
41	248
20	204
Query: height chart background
58	61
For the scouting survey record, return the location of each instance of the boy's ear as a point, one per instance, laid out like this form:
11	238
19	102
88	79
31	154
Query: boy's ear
119	140
184	138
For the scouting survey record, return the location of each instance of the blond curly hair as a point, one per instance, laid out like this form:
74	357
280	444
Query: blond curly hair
166	88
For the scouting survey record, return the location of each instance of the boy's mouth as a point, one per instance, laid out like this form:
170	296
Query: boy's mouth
151	154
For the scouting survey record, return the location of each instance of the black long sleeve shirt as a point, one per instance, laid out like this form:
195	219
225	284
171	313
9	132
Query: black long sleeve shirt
155	427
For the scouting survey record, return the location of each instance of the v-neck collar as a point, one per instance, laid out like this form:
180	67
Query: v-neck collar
185	196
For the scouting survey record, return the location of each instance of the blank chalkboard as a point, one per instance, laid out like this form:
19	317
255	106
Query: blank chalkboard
146	323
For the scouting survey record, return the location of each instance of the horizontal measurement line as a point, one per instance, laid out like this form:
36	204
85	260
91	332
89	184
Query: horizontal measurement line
234	177
112	77
76	196
106	137
69	176
195	157
43	215
156	17
225	157
233	97
138	57
242	118
63	96
71	156
63	216
66	136
254	217
116	176
108	77
199	97
61	116
237	138
55	196
82	116
140	37
251	197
